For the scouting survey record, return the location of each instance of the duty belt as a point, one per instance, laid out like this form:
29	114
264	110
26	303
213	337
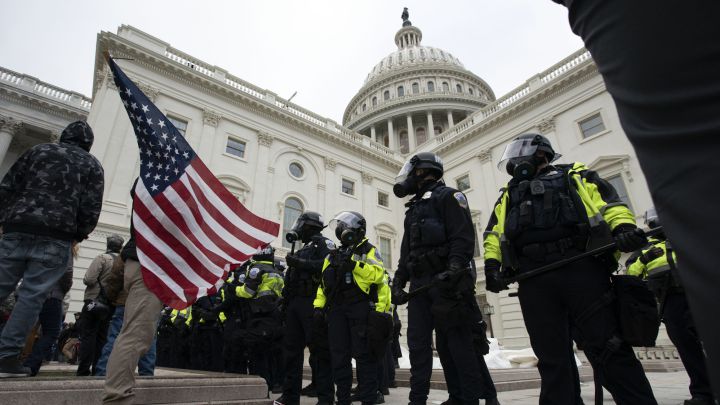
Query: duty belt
538	251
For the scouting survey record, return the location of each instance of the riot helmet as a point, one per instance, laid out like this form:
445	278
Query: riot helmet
309	224
407	182
114	243
349	227
520	158
264	254
651	218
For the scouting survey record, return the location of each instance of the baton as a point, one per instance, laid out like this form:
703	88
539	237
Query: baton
560	263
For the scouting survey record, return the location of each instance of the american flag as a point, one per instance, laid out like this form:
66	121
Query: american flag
189	229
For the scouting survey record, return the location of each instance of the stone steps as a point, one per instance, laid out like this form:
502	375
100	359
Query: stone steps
167	387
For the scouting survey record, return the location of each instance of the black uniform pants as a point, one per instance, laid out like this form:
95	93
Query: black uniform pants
93	334
234	350
347	334
206	348
681	329
665	81
549	302
454	347
298	335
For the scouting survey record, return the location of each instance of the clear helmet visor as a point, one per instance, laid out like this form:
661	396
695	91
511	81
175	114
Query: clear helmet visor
651	216
404	171
517	149
348	219
302	220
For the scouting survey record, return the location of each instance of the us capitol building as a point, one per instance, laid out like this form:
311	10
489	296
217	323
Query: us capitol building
280	159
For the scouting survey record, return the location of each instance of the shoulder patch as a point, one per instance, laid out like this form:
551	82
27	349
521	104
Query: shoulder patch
378	256
330	244
461	199
254	272
427	195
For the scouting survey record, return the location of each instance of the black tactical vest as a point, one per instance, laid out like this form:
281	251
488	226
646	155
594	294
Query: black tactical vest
304	282
339	287
426	226
544	209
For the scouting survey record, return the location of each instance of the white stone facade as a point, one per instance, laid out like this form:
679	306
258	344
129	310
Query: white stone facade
278	158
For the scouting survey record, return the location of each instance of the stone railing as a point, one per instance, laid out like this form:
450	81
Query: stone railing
266	96
556	72
45	90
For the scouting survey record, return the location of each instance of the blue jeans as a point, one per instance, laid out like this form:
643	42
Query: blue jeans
146	364
50	321
40	261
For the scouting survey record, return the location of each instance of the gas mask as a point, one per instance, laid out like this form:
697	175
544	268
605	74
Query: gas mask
524	168
409	186
346	236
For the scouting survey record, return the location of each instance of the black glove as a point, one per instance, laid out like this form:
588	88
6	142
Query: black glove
448	277
630	239
400	280
295	261
493	280
399	296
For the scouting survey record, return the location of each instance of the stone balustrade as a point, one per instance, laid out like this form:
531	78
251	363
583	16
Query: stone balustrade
45	90
554	73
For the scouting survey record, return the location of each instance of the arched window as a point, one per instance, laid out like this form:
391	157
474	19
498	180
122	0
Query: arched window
374	101
293	209
386	95
404	141
470	90
431	86
458	88
401	91
420	135
446	86
415	88
364	107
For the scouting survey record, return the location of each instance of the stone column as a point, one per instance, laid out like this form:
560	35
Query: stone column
391	135
8	129
262	166
211	119
373	136
451	123
411	133
431	126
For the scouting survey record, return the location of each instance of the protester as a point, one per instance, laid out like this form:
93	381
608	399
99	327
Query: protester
660	62
49	199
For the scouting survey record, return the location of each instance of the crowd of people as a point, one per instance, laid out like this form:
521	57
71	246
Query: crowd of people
338	299
556	230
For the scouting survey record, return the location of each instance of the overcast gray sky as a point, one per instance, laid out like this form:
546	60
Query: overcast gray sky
323	49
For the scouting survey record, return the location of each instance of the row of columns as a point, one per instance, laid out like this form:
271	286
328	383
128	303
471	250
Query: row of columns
430	131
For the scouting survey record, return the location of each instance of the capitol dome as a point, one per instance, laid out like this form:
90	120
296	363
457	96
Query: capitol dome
414	93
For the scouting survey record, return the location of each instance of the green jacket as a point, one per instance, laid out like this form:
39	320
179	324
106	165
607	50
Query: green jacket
368	270
600	204
653	259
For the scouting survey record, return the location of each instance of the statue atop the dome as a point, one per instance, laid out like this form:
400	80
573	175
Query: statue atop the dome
405	17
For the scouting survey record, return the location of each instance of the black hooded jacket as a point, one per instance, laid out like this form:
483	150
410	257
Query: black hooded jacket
53	189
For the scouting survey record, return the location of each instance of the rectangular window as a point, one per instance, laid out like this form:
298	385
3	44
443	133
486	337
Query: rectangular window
463	183
592	125
386	252
235	147
179	124
383	199
348	186
617	182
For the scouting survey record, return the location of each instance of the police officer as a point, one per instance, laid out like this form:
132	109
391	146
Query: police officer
206	340
656	263
237	312
263	290
301	284
437	247
351	278
545	214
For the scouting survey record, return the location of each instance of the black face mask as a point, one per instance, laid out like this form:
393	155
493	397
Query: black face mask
524	168
410	185
346	236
